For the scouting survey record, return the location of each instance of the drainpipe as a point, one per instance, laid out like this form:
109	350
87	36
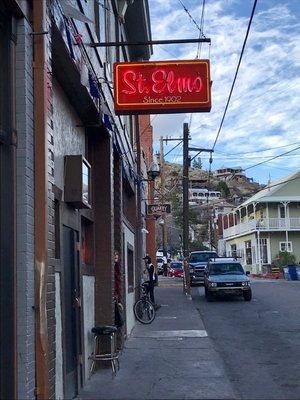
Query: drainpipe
139	224
41	201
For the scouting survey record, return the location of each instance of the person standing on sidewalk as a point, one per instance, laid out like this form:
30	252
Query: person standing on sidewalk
151	281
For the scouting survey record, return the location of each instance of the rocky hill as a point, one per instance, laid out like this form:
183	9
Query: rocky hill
239	188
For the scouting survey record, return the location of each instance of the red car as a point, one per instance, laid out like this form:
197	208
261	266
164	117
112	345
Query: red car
176	269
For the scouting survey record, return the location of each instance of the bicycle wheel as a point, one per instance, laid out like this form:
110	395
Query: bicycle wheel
144	311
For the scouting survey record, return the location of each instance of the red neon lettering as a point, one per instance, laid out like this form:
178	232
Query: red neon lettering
141	84
128	83
198	84
159	83
170	81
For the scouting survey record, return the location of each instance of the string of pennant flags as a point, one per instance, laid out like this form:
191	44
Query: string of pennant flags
89	78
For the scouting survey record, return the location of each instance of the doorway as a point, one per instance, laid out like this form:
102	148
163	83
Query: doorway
71	312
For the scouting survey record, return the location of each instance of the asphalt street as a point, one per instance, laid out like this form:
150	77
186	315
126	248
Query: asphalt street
258	341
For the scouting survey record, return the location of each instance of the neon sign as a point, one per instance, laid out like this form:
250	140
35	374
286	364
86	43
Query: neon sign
162	87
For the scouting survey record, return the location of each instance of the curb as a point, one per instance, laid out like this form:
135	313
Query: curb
268	276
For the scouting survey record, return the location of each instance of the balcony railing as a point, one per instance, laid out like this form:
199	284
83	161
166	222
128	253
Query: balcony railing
263	224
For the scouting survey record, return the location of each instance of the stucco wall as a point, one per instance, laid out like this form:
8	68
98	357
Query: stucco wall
128	239
88	295
69	133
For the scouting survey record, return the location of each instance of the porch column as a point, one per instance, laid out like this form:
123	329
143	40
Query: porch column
267	216
286	223
258	250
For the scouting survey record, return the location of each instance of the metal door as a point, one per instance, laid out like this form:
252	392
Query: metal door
71	319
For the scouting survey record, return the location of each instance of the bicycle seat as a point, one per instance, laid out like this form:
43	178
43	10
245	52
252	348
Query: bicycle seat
104	330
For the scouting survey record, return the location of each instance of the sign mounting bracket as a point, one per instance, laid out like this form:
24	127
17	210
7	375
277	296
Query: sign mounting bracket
151	42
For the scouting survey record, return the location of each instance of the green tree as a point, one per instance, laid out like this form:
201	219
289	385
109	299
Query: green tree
224	189
284	258
197	163
197	245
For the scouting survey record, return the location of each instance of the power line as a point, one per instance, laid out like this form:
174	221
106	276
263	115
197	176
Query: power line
256	151
192	18
173	148
286	88
272	158
236	73
266	161
201	27
282	182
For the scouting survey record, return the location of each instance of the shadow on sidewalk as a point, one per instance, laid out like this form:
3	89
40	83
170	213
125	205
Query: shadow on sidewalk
172	358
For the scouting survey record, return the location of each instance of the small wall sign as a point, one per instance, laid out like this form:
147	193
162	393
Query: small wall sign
162	87
158	209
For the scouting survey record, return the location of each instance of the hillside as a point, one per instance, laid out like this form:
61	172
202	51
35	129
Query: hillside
240	188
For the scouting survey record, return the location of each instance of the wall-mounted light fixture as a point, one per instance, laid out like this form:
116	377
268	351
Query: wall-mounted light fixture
153	171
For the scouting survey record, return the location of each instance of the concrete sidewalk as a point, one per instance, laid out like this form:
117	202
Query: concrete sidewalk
173	358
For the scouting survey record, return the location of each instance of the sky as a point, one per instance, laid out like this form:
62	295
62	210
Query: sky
264	112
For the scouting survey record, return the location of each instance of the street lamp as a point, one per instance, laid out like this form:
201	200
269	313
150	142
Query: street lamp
153	171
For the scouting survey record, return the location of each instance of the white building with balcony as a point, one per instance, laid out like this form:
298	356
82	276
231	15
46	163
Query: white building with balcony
202	195
265	224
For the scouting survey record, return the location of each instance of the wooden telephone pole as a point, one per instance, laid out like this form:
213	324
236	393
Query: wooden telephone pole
162	188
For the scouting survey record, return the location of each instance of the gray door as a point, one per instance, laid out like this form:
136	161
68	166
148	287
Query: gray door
71	328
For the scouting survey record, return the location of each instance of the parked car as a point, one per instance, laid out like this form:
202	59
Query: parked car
176	269
198	261
160	265
226	277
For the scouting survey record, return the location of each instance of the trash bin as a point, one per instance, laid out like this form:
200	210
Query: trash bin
293	272
298	274
286	274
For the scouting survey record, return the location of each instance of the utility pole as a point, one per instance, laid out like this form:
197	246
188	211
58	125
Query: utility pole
162	188
185	189
185	206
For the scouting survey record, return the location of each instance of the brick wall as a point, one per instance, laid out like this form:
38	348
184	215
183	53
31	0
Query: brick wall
50	300
146	136
25	213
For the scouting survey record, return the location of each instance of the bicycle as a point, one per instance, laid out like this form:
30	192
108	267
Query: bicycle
144	309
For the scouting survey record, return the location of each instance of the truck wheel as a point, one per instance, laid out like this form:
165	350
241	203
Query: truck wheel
247	295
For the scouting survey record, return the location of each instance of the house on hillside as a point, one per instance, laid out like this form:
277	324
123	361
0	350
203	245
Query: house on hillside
265	224
226	173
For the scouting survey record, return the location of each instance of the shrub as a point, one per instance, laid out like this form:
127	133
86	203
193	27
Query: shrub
284	258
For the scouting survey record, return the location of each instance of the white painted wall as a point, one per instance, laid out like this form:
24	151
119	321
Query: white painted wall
59	389
88	296
129	297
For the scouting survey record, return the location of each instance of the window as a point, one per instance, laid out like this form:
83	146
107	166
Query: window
248	252
233	250
281	211
264	250
286	246
130	268
86	183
